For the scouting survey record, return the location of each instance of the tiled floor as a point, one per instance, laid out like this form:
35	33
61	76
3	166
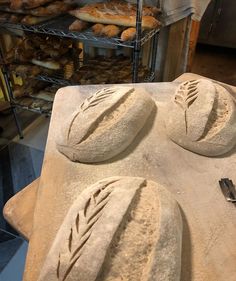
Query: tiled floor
21	162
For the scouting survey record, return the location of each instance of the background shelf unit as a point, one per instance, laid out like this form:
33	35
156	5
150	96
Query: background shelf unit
59	26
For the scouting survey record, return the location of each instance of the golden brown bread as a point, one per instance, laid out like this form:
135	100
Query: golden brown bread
128	34
69	70
78	25
109	30
117	13
50	64
54	8
27	4
98	28
31	20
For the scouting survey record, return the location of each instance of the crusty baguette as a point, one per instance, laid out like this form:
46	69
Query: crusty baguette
47	64
78	25
128	34
148	22
117	13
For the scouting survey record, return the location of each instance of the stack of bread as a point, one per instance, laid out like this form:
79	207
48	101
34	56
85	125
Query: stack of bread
101	70
41	54
114	18
36	95
33	11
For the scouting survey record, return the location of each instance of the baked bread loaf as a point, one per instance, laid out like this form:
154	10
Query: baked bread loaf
54	8
111	30
31	20
128	34
119	226
27	4
105	124
78	25
97	29
26	70
116	13
202	118
106	30
51	64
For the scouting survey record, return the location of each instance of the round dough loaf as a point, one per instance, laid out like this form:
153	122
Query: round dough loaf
202	118
105	124
119	226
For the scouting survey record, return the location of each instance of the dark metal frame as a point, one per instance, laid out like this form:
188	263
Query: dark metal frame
9	90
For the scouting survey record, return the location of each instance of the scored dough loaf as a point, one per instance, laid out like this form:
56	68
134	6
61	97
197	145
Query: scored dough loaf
53	8
105	124
202	118
119	226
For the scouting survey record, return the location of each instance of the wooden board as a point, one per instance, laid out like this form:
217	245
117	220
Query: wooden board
19	210
209	221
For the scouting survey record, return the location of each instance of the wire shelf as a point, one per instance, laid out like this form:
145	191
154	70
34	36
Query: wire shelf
14	103
59	26
60	81
54	80
48	113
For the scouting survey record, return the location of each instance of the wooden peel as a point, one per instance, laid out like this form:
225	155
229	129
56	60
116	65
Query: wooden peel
19	210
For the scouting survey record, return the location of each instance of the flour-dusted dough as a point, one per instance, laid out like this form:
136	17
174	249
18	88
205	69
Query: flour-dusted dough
202	118
120	227
105	124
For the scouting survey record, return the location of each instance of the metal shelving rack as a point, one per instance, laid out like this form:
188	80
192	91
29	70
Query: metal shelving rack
58	26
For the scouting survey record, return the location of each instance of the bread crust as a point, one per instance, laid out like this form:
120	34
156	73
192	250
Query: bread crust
128	34
78	25
116	13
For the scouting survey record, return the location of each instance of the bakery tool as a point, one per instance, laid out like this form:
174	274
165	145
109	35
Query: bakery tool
228	189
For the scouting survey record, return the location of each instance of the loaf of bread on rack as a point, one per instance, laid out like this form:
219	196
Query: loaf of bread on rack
31	20
116	13
109	30
54	8
5	2
27	4
128	34
78	25
51	64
